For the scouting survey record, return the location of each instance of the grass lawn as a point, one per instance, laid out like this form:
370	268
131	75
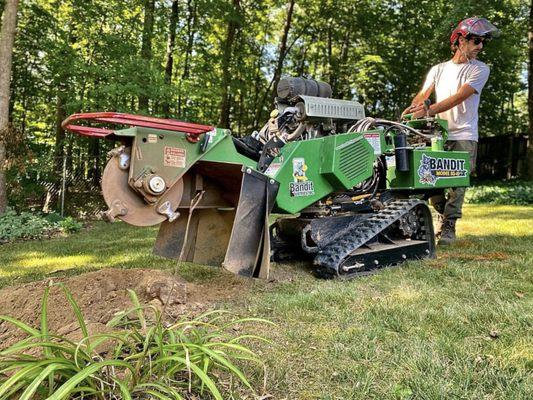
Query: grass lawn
459	326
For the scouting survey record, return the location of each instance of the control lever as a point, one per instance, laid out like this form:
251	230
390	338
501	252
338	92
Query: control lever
427	103
429	120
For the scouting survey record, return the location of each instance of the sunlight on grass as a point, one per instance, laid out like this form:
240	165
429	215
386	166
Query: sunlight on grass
500	220
405	295
63	262
521	352
102	246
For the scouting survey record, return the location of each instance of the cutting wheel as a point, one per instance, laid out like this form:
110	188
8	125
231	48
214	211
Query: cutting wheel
132	208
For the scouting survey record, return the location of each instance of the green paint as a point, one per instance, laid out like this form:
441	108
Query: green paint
423	123
223	150
302	158
307	171
331	163
170	155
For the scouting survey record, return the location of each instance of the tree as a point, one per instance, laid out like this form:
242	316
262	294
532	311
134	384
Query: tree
146	47
530	94
219	61
282	53
233	25
191	31
169	67
7	37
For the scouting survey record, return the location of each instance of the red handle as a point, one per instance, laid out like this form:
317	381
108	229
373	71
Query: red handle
192	130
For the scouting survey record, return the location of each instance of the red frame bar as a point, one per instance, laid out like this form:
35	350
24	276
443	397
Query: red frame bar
192	130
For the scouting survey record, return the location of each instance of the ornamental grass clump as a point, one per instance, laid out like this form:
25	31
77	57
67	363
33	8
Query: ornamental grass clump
136	359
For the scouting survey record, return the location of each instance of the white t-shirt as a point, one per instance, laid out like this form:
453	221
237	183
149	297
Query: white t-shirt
448	77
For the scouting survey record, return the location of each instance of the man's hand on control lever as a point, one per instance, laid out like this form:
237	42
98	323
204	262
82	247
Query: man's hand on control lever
418	110
412	109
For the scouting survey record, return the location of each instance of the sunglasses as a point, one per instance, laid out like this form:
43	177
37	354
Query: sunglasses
478	40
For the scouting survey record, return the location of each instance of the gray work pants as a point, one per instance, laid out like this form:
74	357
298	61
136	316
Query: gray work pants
450	203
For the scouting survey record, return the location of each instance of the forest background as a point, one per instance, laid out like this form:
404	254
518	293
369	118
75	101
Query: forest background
218	62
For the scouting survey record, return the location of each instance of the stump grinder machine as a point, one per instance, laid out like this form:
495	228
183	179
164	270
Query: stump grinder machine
347	191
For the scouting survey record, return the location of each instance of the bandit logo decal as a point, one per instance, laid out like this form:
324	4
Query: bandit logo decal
301	185
431	169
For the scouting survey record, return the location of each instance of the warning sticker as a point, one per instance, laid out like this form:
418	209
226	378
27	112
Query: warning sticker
152	138
375	141
273	169
175	157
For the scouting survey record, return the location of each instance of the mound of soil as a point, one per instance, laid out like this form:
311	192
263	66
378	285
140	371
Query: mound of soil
102	294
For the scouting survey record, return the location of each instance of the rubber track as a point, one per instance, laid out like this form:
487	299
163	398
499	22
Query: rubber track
330	258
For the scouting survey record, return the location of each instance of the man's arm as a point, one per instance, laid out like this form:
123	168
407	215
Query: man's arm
462	94
418	100
422	95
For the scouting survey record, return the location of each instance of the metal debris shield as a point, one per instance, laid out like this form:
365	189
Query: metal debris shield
236	237
248	251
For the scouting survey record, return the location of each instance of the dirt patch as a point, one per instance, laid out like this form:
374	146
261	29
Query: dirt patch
492	256
436	263
102	294
464	244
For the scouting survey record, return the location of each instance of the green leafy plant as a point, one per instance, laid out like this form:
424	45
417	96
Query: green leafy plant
184	360
70	225
24	226
53	217
28	225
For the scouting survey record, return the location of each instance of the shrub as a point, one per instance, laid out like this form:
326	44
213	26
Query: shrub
24	226
187	359
70	225
27	225
53	217
513	192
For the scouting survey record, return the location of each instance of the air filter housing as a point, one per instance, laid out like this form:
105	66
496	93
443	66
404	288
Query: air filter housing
347	160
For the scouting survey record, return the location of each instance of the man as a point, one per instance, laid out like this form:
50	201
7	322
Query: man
457	84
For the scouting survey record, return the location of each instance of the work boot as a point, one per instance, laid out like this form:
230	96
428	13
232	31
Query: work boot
438	225
447	235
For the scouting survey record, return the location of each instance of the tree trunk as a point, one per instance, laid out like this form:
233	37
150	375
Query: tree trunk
225	104
146	47
94	169
282	50
191	23
61	114
257	88
302	69
331	63
7	38
169	67
273	85
339	86
52	196
530	95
